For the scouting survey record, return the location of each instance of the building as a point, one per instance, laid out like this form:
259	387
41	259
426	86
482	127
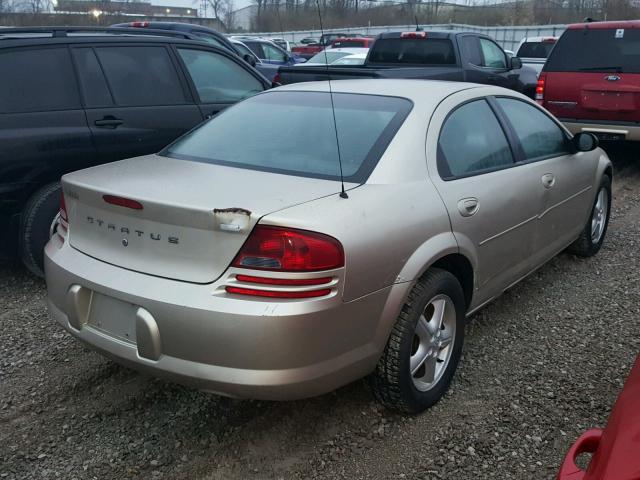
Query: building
123	8
243	18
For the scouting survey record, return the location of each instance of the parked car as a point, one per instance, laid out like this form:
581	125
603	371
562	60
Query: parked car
352	42
76	97
308	40
311	49
533	51
269	52
267	69
329	56
615	449
590	81
241	261
282	43
435	55
354	59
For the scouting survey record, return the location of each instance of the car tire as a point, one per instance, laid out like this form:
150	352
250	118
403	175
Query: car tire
37	218
397	382
593	233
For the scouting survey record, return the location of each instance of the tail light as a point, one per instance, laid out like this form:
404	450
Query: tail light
540	88
287	250
413	35
276	80
139	24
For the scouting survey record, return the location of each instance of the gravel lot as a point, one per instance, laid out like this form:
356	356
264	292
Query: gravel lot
541	364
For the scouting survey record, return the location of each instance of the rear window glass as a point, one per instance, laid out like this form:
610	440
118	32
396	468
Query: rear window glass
37	81
327	57
535	49
348	44
596	50
293	133
413	51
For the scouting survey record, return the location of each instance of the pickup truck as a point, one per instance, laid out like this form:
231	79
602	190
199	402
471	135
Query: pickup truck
434	55
309	50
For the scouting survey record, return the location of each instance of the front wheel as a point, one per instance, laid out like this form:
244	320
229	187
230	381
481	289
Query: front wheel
592	236
424	347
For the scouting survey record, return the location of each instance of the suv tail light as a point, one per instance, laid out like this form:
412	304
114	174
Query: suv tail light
540	88
280	249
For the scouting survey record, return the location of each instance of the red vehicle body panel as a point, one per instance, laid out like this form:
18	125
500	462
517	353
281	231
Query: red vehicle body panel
598	83
352	42
616	449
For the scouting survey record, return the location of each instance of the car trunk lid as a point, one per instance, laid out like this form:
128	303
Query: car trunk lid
194	217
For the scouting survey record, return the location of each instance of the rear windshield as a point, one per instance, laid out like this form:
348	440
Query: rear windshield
535	49
293	133
348	44
596	50
417	51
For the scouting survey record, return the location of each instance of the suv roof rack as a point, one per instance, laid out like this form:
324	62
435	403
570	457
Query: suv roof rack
61	32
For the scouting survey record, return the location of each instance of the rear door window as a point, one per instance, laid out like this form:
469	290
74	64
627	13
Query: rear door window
539	136
596	50
141	76
535	49
256	48
472	142
94	85
37	81
217	78
419	51
273	54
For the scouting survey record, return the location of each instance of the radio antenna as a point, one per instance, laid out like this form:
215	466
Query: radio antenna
343	192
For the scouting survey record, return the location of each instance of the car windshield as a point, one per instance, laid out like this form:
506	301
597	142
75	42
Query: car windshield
293	133
535	49
596	50
327	56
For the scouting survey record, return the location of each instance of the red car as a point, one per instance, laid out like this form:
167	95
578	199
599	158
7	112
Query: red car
352	42
309	50
616	449
591	80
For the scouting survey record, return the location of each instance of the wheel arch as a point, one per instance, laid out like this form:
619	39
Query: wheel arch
460	267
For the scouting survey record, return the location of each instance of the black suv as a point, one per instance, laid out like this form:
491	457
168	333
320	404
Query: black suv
71	98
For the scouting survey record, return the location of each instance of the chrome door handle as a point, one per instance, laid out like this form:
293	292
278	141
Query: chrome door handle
468	206
548	180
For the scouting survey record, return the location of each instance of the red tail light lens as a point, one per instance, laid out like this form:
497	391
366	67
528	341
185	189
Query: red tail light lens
276	79
289	250
122	202
278	294
63	208
283	281
413	35
139	24
540	88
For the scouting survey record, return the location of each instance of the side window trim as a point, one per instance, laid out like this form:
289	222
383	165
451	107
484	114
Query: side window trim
76	69
441	162
502	117
512	137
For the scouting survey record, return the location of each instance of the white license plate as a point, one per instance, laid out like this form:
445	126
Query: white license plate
113	317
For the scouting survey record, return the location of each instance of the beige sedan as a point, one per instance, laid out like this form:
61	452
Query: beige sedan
236	261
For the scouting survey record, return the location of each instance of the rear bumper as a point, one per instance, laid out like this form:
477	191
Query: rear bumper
190	334
628	131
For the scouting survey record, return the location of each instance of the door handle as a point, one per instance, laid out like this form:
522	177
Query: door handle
468	206
548	180
108	122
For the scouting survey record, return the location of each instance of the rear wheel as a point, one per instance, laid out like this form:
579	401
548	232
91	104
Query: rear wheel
35	230
592	236
424	347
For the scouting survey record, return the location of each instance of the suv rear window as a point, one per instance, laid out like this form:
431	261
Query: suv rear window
535	49
293	133
419	51
596	50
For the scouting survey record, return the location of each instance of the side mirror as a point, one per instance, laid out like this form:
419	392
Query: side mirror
515	63
250	59
585	142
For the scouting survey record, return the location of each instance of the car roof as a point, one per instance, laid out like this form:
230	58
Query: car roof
349	50
546	38
415	90
605	25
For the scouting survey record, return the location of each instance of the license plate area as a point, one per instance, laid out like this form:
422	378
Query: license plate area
609	137
113	317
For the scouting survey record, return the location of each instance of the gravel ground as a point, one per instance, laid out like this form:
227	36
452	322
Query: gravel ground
541	364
